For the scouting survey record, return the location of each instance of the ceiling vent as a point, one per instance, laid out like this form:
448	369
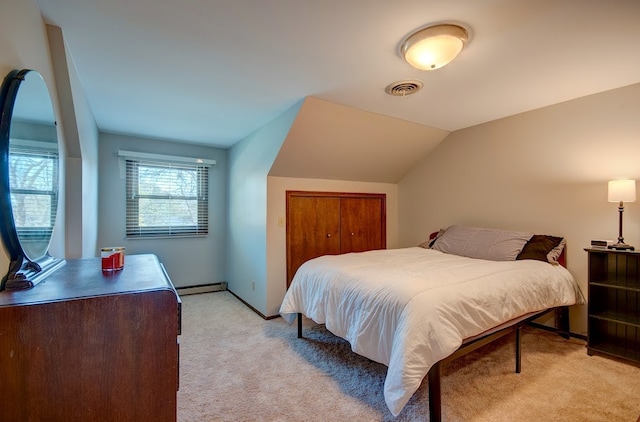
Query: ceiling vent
404	88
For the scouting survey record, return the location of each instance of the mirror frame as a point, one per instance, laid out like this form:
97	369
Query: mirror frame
24	272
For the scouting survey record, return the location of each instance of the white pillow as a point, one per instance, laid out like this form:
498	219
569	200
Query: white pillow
555	253
475	242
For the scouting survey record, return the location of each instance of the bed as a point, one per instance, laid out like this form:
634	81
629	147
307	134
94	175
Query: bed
413	308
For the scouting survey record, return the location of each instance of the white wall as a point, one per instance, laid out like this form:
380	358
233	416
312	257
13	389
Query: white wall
249	163
545	171
23	44
276	235
189	261
257	245
81	134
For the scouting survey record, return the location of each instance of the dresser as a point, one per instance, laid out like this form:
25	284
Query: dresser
614	303
83	346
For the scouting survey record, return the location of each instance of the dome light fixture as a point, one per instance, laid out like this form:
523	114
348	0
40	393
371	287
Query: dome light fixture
435	46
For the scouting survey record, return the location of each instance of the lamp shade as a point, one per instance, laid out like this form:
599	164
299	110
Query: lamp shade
435	46
622	191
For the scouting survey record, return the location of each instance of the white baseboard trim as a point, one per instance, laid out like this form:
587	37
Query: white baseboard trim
203	288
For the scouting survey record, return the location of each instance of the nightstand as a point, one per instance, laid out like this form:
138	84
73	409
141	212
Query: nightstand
614	303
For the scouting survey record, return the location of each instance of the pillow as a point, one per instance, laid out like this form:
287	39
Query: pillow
432	238
427	244
554	256
542	247
474	242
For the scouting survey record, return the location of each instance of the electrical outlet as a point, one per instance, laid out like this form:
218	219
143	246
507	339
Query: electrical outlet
253	285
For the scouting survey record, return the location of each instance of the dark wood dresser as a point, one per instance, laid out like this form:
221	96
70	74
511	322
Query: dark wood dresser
83	346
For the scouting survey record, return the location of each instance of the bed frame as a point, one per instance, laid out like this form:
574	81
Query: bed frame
473	343
469	345
435	373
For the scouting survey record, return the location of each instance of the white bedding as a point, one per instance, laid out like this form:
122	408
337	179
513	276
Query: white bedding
409	308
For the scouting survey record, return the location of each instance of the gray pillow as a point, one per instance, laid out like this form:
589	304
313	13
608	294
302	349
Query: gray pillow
475	242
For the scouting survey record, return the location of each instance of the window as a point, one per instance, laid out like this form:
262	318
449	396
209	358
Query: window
33	175
166	199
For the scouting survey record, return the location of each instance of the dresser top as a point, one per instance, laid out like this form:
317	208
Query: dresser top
83	278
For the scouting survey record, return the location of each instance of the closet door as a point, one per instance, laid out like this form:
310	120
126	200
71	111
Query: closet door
362	227
313	229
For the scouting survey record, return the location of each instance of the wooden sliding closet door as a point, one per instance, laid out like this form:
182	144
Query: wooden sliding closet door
326	223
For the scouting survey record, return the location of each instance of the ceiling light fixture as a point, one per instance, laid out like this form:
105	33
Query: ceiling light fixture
435	46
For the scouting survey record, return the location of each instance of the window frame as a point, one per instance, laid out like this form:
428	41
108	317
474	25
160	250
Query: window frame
133	229
26	148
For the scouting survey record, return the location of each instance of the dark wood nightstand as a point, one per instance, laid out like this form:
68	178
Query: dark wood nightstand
614	303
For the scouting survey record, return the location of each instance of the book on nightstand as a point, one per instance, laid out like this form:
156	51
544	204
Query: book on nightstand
601	243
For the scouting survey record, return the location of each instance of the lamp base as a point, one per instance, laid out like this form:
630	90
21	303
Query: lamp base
621	247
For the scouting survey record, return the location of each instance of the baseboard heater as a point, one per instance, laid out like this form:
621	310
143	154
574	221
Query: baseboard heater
202	288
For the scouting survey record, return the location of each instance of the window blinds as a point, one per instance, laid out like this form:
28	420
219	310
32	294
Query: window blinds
166	199
33	175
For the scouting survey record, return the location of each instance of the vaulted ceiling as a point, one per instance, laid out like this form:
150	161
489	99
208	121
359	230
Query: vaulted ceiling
331	141
213	71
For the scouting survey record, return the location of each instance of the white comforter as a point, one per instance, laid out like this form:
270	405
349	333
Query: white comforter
409	308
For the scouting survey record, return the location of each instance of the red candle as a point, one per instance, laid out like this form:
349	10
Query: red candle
112	259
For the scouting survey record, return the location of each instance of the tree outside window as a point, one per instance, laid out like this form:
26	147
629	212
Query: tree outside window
166	199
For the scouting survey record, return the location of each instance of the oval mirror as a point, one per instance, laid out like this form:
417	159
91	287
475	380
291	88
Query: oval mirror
29	169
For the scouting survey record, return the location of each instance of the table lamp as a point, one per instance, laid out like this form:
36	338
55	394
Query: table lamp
621	191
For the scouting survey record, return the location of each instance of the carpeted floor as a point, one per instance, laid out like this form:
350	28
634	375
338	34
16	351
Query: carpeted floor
235	366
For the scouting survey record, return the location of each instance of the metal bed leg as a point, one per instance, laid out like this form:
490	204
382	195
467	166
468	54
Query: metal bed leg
518	349
299	325
435	404
562	321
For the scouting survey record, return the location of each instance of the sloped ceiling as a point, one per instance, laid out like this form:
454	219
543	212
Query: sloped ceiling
332	141
211	72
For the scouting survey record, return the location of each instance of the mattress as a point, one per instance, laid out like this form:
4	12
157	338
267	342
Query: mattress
409	308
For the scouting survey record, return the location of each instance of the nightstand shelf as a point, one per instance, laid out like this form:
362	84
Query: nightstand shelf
614	303
616	317
619	351
614	285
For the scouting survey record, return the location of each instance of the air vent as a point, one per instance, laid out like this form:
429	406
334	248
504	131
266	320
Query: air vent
404	88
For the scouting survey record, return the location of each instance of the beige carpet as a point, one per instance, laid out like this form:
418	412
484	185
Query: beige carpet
235	366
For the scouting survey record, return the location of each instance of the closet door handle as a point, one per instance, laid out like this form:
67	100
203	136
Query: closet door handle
328	234
353	234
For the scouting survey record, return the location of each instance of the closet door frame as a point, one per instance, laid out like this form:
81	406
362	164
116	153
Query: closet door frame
340	195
